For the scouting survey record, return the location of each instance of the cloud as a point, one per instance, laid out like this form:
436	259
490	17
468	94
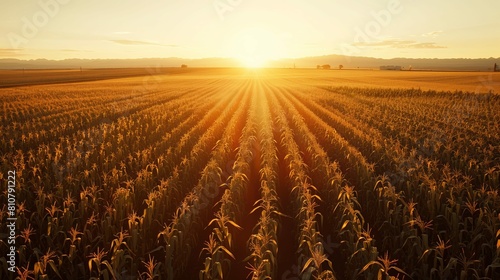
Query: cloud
426	46
71	50
399	44
433	34
135	42
384	43
10	52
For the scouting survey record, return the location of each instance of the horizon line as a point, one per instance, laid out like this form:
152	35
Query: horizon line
234	58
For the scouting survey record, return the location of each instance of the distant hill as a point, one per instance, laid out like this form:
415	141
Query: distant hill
348	62
453	64
115	63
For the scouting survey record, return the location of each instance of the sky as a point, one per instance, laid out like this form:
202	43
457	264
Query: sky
253	31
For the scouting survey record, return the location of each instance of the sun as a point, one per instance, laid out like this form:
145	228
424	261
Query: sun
253	61
256	47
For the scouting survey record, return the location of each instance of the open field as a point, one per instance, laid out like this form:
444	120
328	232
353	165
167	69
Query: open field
426	80
13	78
274	174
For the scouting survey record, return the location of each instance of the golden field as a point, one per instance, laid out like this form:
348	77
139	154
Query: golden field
251	174
433	80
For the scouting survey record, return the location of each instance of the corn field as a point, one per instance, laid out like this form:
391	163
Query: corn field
237	175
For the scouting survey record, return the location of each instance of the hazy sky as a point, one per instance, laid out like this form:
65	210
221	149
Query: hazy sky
252	30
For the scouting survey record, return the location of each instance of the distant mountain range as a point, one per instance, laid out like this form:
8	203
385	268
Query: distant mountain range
454	64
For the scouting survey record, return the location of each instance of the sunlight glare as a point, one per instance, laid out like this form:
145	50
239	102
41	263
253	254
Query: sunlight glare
256	47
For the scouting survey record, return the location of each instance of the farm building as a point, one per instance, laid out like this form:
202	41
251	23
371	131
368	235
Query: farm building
390	67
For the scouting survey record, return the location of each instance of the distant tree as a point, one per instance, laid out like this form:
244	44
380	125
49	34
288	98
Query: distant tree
184	66
495	68
318	66
326	66
341	66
